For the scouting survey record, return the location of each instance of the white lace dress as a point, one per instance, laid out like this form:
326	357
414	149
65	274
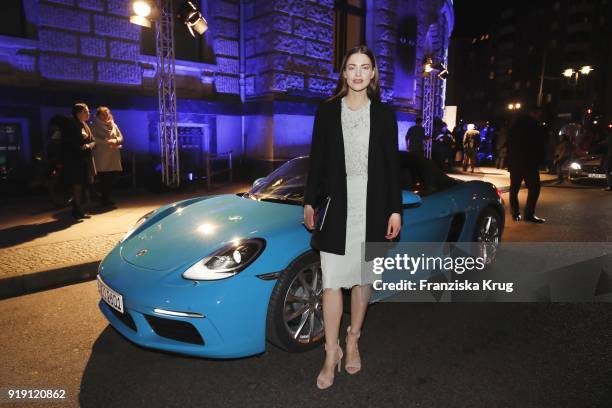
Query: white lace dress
345	270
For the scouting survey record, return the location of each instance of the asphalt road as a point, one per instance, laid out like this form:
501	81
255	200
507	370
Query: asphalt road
574	213
414	355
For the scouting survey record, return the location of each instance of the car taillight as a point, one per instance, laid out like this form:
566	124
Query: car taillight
499	193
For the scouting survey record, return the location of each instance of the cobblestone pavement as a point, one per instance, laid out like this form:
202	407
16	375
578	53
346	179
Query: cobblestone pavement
36	258
42	247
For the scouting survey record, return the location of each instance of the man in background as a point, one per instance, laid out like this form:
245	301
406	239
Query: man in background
526	152
608	160
415	137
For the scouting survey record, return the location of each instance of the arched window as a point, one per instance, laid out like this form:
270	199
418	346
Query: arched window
12	19
349	28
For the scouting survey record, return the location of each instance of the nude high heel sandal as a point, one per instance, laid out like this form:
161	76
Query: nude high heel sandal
324	382
352	367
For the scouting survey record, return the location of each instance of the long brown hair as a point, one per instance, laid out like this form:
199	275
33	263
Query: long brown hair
342	86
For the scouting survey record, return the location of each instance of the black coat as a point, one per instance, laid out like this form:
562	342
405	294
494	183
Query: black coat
78	164
526	144
327	175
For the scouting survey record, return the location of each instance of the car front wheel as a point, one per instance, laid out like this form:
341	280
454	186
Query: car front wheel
295	312
487	235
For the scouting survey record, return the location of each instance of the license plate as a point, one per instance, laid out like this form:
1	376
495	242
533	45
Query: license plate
597	176
110	297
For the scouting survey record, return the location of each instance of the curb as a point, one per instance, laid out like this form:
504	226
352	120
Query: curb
44	280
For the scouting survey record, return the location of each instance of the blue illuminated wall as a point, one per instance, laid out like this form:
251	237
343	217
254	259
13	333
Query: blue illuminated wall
405	54
86	50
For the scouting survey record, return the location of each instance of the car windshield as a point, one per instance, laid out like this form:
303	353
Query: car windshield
285	184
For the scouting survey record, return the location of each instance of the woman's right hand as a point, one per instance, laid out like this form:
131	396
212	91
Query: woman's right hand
309	216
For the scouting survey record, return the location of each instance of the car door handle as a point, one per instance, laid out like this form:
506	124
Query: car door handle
444	213
413	205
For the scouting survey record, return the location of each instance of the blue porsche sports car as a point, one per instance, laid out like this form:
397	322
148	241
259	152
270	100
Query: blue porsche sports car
217	276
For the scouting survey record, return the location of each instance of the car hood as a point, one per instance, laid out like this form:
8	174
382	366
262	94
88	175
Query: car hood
592	160
192	232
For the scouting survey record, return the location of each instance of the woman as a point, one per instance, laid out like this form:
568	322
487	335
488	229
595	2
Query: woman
471	141
107	154
79	167
354	160
444	143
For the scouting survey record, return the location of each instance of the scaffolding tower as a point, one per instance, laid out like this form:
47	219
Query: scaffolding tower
429	109
166	92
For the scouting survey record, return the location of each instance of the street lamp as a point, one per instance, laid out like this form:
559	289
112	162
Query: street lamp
570	73
573	75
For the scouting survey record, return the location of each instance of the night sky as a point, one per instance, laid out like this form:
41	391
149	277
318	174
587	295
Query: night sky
471	16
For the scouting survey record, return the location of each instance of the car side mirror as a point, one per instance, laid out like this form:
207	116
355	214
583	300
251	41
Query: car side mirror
410	199
257	181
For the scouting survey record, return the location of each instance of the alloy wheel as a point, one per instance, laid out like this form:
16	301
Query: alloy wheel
303	305
488	238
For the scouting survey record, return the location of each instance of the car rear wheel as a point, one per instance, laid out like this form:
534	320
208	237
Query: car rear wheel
487	235
295	312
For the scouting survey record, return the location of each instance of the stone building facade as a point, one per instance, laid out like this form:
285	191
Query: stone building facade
252	88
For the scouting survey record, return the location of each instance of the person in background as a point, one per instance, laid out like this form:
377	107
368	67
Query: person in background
471	141
107	154
608	160
79	168
444	148
458	133
54	172
526	152
563	151
553	141
415	137
492	136
501	148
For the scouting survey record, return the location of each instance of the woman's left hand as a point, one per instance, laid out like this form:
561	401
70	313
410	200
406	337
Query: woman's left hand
393	228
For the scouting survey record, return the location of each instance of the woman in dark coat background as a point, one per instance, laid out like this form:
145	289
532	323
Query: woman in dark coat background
354	160
79	167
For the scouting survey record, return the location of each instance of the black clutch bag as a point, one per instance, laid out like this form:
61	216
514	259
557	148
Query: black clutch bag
320	212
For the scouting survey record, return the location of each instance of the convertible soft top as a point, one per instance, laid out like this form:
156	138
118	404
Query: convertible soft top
422	175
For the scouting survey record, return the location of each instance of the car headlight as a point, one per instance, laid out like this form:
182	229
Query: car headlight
575	166
137	225
227	261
